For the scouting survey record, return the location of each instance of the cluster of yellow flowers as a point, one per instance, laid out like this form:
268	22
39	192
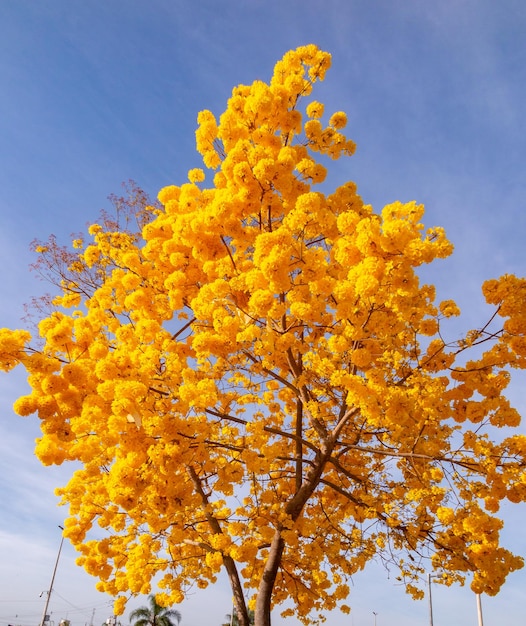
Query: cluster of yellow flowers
263	339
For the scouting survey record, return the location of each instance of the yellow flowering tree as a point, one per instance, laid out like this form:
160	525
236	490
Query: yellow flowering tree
253	378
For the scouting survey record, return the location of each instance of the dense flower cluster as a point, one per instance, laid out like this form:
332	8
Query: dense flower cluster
257	380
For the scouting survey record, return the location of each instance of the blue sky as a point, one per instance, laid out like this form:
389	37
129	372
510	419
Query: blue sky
95	93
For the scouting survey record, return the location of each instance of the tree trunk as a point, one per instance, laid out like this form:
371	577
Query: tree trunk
239	600
277	547
266	586
229	563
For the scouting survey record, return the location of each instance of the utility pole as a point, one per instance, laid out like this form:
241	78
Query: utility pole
479	610
44	614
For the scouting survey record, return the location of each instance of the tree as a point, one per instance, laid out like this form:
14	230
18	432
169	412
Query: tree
254	379
154	615
231	619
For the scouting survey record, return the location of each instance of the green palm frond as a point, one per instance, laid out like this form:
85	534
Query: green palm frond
155	615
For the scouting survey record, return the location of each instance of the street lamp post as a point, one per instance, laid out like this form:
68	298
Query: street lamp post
44	614
479	610
430	600
375	614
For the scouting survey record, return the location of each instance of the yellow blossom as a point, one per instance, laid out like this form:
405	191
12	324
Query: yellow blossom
196	175
255	378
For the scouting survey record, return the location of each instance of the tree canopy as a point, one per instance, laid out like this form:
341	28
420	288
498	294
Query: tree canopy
253	378
154	615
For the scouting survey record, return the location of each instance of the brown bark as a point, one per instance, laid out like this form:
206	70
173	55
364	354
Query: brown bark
294	509
229	563
266	586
